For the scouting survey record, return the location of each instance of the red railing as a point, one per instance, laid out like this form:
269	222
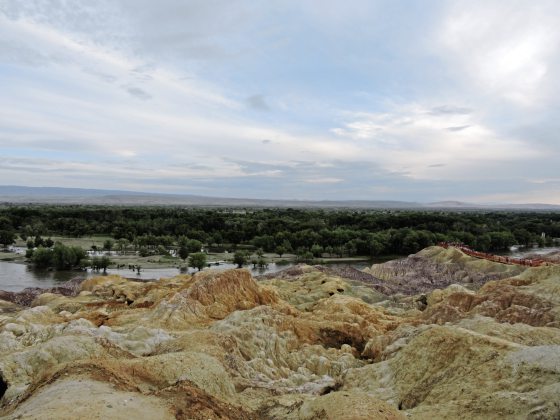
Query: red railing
527	262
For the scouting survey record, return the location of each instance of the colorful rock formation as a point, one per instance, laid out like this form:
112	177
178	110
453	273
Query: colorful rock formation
307	344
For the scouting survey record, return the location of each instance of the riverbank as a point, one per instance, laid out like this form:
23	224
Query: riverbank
131	258
12	257
18	275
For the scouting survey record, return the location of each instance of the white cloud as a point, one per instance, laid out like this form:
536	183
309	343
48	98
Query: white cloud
417	140
506	48
323	180
124	92
116	104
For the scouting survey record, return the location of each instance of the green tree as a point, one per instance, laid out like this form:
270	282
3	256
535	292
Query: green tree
217	238
161	250
194	245
104	262
7	237
262	262
316	250
38	241
410	242
6	223
101	263
183	252
27	231
350	248
62	257
305	256
197	260
523	237
80	255
95	263
42	257
122	243
108	245
263	242
483	242
287	245
67	257
280	250
240	258
375	245
501	240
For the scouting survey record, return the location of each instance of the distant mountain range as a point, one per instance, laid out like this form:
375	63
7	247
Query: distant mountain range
11	194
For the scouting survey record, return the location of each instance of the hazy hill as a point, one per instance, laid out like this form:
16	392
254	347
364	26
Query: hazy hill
11	194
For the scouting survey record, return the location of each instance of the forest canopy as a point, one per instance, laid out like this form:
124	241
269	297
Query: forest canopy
341	232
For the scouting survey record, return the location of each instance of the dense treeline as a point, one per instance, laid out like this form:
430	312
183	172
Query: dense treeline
342	232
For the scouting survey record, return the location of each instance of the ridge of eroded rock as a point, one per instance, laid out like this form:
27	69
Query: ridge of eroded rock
307	344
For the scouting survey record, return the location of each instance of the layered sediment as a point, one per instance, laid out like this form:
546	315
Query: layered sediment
436	267
306	344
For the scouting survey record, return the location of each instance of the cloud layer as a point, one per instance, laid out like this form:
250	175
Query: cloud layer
282	99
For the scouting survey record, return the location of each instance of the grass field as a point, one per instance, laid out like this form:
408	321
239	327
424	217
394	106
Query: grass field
85	242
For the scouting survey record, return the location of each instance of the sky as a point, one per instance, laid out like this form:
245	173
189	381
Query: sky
287	99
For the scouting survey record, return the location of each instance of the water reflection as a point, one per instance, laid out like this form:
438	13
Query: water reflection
16	276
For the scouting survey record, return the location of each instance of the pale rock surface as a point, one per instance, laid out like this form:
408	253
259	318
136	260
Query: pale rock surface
348	406
83	398
305	345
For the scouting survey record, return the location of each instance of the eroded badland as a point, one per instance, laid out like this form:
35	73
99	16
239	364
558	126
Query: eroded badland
437	335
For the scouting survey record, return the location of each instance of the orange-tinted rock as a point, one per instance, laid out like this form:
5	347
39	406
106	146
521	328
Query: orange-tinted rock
508	300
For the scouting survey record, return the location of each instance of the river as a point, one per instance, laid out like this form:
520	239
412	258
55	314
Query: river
15	277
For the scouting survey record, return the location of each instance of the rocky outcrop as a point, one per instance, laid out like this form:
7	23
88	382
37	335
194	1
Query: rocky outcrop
457	372
312	284
307	344
530	298
437	268
26	296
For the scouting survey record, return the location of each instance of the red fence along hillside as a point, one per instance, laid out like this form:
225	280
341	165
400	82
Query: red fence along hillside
527	262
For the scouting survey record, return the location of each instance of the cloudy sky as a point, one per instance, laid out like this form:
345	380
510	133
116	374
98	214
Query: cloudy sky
405	100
